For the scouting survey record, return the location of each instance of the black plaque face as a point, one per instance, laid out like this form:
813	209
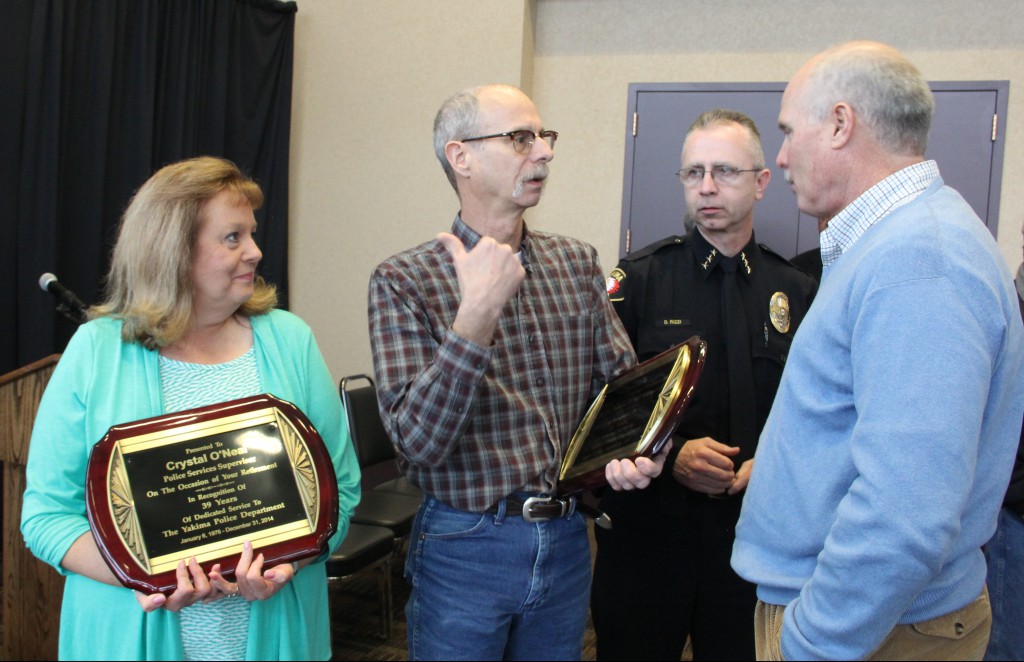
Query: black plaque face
635	415
199	483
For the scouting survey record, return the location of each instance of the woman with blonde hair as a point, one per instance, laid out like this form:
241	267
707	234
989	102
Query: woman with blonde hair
186	323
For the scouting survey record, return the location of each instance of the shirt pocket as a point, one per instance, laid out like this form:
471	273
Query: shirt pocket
770	345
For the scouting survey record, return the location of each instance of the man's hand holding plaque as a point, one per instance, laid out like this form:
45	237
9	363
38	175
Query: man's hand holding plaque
236	487
638	472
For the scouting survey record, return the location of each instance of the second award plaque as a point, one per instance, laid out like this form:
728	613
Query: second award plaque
200	482
634	415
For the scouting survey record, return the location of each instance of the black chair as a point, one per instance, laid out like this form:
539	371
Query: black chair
367	547
373	447
378	507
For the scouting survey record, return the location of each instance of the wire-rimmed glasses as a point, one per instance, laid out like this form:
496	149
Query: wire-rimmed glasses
721	174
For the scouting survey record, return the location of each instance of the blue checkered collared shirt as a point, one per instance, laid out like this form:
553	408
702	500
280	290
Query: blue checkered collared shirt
880	200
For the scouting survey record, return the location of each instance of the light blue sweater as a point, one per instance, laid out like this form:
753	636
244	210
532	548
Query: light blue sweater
884	461
101	381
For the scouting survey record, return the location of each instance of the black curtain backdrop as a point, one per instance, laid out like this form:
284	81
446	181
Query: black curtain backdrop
95	95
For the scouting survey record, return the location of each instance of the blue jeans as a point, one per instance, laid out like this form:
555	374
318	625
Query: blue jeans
492	587
1005	556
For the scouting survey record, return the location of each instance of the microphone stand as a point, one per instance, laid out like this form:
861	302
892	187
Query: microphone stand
76	315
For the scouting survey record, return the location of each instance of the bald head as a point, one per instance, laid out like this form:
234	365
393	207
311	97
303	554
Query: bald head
851	116
883	88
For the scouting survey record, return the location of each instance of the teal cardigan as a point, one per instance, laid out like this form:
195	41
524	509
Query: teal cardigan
101	381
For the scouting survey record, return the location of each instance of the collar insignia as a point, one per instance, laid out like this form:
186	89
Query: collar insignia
707	261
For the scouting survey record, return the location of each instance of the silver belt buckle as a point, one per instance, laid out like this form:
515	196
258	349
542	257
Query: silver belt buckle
527	517
568	507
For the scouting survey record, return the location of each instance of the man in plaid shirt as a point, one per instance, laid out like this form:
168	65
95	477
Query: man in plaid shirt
489	343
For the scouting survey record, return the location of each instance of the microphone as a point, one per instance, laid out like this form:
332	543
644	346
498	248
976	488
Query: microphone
68	304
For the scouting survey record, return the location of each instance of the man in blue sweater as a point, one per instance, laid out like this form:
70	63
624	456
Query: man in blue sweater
889	446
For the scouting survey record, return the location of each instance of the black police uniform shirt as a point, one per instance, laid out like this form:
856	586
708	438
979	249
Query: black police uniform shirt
672	289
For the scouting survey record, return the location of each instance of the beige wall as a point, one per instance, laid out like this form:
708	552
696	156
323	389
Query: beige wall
369	75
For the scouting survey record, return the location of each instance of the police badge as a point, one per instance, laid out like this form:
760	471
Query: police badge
778	311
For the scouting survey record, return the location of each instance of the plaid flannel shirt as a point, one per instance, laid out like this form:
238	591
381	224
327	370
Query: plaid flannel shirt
474	424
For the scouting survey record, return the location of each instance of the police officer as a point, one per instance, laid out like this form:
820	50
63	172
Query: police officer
746	303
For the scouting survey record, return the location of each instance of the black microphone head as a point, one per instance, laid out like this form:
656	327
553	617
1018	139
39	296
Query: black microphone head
45	280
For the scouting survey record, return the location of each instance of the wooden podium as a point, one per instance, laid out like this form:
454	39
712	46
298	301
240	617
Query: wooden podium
31	589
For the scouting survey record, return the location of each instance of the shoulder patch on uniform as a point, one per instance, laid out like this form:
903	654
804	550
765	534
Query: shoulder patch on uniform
614	284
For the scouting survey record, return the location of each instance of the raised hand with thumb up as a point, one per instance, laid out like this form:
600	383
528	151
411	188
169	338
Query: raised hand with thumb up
489	276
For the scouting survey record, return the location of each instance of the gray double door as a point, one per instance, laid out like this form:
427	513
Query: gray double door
966	140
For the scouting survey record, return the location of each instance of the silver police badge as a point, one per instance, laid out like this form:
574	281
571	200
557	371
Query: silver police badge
778	311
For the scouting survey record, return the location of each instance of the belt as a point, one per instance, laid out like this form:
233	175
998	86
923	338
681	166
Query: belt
537	508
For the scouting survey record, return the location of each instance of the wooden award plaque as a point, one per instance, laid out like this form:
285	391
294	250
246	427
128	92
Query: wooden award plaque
200	482
633	416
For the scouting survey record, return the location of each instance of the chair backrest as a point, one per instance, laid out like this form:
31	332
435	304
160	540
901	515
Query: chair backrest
368	434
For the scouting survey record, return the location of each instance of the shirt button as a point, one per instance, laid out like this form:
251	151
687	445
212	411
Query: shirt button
532	338
540	381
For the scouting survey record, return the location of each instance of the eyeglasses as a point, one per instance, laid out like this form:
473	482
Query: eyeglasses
522	140
721	174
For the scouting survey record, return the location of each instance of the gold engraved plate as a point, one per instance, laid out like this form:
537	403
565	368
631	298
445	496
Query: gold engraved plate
201	482
263	430
778	311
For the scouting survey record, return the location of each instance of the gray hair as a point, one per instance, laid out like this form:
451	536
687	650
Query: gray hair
883	88
455	120
720	116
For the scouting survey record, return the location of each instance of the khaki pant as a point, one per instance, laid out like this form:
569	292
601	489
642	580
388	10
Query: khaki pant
959	635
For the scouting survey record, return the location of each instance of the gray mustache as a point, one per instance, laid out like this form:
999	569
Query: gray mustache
539	171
